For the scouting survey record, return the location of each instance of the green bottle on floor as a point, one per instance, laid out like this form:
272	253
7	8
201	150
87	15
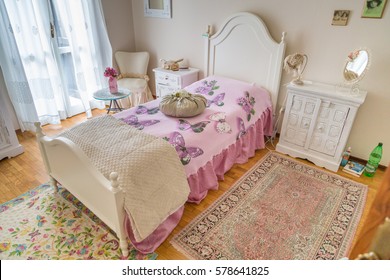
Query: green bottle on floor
373	161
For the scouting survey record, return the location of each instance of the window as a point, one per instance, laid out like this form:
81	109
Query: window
63	48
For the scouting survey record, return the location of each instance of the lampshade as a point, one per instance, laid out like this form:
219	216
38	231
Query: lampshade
296	63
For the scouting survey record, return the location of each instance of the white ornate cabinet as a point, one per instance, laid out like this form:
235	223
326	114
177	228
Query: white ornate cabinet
168	81
317	122
9	144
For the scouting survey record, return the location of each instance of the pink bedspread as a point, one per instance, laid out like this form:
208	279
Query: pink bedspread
229	131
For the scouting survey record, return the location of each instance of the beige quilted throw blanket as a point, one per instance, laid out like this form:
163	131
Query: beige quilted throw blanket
149	169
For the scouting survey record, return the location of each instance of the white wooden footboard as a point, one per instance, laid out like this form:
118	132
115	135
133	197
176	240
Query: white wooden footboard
67	164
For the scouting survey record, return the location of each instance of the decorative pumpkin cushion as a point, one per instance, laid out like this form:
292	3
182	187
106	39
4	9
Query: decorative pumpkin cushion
183	104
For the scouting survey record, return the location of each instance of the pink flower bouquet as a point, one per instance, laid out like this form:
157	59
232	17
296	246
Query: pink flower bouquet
110	72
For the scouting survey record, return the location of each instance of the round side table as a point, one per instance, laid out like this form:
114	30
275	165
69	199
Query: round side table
105	95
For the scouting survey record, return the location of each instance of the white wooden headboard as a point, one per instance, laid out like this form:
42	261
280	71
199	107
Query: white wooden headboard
243	49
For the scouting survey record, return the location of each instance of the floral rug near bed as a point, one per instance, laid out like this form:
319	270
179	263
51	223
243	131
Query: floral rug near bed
280	209
41	224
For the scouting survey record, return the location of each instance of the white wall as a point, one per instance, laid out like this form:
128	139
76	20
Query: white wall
309	30
118	15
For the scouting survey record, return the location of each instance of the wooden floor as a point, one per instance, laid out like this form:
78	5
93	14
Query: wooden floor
26	171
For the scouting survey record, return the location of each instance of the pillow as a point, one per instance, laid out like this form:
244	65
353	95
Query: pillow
183	104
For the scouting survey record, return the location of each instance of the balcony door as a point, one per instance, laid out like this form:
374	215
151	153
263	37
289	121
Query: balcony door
63	48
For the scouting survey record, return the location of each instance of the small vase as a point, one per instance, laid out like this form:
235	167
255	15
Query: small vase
113	85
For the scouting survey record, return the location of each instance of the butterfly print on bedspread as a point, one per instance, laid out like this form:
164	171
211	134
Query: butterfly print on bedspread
221	126
197	127
207	87
144	110
241	128
185	153
133	121
218	100
247	103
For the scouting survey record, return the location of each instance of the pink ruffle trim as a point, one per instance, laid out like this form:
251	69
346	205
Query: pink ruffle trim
207	176
207	179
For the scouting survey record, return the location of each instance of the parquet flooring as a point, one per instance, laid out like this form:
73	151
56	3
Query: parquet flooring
26	171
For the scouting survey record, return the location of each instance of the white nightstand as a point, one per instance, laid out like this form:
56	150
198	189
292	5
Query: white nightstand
317	122
168	81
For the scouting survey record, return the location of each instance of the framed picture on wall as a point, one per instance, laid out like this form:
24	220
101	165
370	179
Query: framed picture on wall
373	8
157	8
340	17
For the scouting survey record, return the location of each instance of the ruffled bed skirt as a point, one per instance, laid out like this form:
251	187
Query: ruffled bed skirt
207	179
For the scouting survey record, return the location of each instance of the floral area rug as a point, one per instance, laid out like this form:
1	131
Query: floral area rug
281	209
41	224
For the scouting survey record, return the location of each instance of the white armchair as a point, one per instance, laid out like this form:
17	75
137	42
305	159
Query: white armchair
133	68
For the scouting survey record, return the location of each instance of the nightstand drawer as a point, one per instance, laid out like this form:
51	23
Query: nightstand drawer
165	90
167	79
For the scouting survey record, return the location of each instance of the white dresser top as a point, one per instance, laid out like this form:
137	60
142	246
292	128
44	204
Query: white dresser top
332	91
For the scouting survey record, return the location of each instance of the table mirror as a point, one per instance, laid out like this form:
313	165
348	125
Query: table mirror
356	66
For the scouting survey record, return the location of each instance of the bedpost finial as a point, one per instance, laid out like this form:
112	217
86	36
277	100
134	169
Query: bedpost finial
114	180
283	36
208	32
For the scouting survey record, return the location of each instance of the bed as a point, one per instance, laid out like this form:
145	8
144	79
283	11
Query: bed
242	96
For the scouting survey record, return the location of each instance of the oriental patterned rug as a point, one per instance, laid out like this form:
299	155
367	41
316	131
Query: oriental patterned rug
281	209
41	224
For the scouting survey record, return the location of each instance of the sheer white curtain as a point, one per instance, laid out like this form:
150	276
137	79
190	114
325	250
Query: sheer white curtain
48	77
87	38
30	21
14	74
